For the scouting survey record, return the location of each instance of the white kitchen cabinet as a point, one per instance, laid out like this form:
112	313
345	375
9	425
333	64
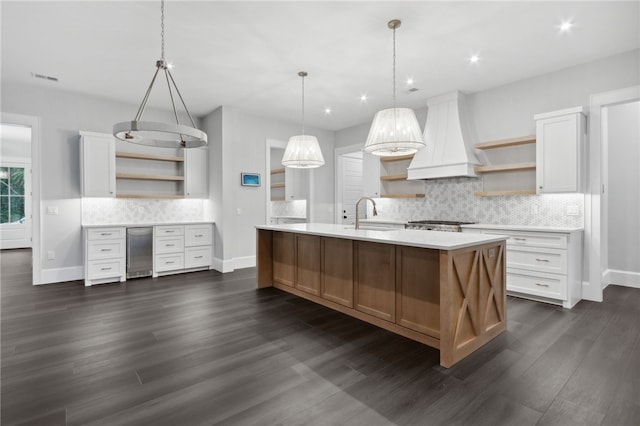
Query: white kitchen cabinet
97	165
296	184
560	137
178	248
104	255
371	175
198	250
196	173
544	265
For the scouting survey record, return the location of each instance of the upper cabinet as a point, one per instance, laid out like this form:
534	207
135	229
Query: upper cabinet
560	137
97	165
296	183
196	176
371	175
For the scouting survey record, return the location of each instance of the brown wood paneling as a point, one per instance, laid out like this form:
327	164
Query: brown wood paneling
375	279
283	258
337	270
418	289
264	258
308	263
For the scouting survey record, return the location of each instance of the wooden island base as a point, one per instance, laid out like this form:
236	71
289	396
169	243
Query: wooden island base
452	300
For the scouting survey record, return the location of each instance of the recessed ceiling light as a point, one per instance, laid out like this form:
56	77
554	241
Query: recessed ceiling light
474	59
410	81
565	26
363	98
327	111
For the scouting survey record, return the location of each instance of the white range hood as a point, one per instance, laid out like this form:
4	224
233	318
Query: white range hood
449	151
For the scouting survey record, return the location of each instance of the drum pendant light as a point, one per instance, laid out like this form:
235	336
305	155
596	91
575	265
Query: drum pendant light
164	135
394	131
303	151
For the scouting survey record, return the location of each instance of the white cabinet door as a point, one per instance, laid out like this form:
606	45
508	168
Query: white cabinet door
296	183
559	139
371	175
97	165
196	173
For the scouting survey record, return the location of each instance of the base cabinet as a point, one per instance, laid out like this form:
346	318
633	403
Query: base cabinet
375	280
105	255
283	258
308	263
336	270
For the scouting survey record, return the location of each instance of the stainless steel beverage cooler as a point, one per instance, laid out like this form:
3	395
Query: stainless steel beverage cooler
139	252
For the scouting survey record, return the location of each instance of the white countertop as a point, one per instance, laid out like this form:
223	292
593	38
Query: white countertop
405	237
290	217
132	225
532	228
385	221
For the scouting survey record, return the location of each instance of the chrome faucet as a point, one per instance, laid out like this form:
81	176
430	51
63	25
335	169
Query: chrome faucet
375	212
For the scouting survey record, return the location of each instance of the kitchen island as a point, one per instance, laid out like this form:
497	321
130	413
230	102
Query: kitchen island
443	289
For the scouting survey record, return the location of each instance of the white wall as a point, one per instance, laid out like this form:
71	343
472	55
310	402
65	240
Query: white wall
63	115
242	149
623	193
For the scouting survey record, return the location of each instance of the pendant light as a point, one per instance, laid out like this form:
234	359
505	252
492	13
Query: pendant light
164	135
394	131
303	151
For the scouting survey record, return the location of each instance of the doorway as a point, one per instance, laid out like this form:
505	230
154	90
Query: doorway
349	183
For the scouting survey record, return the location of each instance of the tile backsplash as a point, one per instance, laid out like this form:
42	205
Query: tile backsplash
98	211
296	208
454	199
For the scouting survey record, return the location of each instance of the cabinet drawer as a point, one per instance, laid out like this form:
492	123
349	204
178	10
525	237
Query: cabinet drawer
197	256
107	249
169	262
105	233
538	284
548	260
97	269
169	245
167	231
533	239
197	235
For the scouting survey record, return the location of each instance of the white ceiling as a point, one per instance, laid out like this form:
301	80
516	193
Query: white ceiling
248	54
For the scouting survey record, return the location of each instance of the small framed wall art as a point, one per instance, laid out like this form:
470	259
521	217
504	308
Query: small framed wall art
250	179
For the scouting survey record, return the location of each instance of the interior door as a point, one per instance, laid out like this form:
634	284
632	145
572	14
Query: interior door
15	205
351	188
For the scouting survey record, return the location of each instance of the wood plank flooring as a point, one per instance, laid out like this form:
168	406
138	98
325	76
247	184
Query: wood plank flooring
206	349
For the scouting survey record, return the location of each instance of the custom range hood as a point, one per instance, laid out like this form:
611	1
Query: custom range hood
449	151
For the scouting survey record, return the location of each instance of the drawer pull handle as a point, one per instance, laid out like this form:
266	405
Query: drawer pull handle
169	262
542	285
169	245
105	249
169	231
198	257
519	239
542	260
105	234
199	235
105	269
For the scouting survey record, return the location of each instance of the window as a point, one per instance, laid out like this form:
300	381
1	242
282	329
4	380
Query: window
12	195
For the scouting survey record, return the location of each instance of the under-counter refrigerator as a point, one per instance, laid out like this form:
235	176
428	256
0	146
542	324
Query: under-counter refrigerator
139	252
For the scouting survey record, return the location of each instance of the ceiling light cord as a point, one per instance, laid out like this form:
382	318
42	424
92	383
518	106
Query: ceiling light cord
162	29
395	111
303	102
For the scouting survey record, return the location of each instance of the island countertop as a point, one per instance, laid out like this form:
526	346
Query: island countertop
406	237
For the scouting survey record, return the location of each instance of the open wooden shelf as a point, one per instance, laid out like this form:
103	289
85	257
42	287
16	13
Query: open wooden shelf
503	143
277	198
511	192
151	196
140	156
402	176
402	196
277	171
396	158
148	177
505	167
278	185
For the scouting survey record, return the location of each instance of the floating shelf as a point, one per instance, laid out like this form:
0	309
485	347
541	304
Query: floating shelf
402	176
140	156
148	177
503	143
277	199
277	185
277	171
513	192
505	167
151	196
397	158
402	196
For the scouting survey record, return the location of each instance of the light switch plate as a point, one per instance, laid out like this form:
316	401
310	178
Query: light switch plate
52	210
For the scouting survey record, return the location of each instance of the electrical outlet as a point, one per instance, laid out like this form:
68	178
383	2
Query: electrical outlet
52	210
238	211
51	255
573	211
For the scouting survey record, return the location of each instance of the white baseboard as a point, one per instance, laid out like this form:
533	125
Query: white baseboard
244	262
222	265
58	275
587	293
622	278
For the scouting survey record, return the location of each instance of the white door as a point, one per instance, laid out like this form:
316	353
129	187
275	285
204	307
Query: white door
15	186
351	188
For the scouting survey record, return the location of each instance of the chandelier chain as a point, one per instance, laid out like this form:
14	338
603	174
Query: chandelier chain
162	29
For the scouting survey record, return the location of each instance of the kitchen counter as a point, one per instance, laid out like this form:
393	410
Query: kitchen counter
406	237
442	289
132	225
532	228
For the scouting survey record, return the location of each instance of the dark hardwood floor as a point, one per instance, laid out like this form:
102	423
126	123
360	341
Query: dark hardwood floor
206	348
